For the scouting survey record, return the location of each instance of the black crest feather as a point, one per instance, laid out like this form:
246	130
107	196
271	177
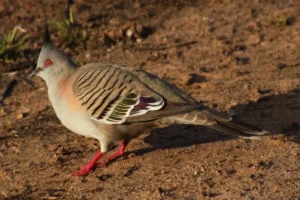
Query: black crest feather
47	38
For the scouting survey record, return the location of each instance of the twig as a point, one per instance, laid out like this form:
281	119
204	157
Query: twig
131	170
104	177
12	82
58	163
50	197
11	73
3	137
91	189
163	47
4	194
16	74
7	90
283	65
27	81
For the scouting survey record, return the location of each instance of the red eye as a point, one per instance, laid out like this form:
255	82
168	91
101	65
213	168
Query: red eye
47	63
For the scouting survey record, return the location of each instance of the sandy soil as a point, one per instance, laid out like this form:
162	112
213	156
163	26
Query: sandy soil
238	57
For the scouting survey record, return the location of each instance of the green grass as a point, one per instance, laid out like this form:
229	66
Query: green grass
70	33
280	20
12	44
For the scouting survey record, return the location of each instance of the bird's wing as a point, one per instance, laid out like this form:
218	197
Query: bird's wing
167	90
112	95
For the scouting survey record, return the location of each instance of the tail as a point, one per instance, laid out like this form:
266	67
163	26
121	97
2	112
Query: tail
239	128
208	117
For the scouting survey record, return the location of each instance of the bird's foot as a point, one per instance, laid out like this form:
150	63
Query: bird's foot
86	169
110	159
103	164
115	155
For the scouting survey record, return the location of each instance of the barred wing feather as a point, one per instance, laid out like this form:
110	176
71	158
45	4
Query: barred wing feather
112	95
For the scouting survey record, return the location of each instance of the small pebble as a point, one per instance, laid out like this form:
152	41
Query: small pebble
20	116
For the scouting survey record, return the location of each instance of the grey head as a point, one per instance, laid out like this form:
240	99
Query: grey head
52	62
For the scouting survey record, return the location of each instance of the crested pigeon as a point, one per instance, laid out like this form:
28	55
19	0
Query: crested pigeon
111	103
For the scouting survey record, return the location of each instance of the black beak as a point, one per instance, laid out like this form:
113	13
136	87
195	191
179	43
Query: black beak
35	72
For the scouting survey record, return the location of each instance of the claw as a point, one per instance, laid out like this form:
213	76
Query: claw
86	169
101	164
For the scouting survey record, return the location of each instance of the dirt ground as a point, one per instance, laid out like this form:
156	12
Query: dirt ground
234	56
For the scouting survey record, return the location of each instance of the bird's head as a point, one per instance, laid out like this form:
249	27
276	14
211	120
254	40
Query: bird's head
52	62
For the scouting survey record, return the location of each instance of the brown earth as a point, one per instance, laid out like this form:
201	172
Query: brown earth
235	56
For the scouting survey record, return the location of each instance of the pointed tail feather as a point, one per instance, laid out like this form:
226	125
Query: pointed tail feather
213	119
239	128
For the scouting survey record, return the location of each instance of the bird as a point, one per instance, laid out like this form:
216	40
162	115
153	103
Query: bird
110	102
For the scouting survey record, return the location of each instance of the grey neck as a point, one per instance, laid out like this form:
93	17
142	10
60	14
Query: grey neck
60	72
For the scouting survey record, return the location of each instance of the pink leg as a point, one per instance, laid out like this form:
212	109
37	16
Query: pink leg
118	153
86	169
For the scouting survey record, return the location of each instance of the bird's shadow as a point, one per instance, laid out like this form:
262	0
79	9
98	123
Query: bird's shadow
275	113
